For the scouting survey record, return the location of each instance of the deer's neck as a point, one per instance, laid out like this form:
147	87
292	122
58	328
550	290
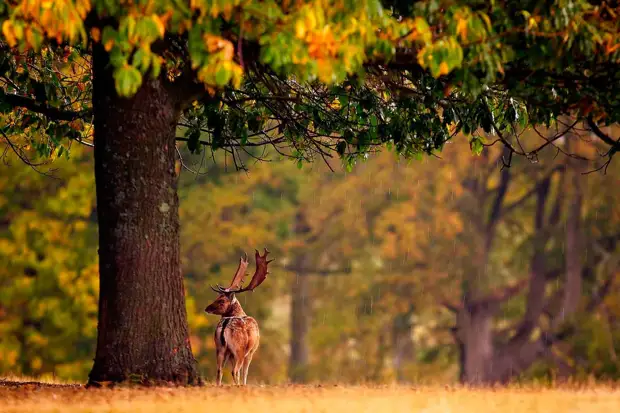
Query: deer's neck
235	310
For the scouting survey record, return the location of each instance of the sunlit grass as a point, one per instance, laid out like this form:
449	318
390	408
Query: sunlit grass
280	399
41	379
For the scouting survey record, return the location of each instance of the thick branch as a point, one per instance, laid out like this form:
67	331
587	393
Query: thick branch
535	301
50	112
236	145
615	144
499	198
511	363
501	296
544	183
320	271
609	262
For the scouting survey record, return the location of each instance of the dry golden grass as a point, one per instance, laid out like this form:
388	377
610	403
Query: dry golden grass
281	399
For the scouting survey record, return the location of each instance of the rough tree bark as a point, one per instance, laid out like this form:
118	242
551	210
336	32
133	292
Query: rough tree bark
143	333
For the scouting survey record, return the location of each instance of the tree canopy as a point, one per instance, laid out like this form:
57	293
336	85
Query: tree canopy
319	77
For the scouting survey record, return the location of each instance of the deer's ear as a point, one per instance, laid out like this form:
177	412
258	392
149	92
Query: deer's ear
230	296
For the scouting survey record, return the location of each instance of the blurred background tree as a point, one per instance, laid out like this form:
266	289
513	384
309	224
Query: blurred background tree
48	268
378	273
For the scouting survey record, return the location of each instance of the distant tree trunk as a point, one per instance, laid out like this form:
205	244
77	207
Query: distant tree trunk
475	320
142	331
300	312
574	234
376	373
300	324
477	346
402	343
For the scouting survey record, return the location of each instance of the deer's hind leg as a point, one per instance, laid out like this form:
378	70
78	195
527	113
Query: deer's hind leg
237	363
246	365
253	341
222	357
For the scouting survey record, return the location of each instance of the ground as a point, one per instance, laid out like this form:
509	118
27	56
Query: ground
68	398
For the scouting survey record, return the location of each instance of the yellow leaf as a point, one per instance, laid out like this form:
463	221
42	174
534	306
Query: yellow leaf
300	29
108	45
227	11
8	29
47	18
29	37
95	33
461	28
443	69
420	56
311	19
160	25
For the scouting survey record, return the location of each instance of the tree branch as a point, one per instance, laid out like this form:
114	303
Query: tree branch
261	143
319	271
505	294
499	199
34	106
610	262
615	145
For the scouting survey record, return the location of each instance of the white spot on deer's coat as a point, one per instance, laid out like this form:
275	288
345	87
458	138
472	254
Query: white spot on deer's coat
164	208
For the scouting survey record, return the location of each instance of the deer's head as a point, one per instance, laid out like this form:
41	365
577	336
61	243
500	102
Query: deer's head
226	296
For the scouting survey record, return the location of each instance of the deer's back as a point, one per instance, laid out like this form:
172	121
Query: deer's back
240	335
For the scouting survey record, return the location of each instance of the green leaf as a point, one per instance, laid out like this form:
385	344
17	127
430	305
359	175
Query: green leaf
222	76
476	145
127	80
117	57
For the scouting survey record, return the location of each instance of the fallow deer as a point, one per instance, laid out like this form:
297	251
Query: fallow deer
237	335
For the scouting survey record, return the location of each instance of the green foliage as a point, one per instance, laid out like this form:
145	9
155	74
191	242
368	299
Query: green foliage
321	77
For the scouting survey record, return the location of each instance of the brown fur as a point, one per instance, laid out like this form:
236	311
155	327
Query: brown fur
237	335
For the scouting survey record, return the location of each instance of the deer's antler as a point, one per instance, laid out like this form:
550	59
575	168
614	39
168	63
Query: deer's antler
259	276
237	280
240	274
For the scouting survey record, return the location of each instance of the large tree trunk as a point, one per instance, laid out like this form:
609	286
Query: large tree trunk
143	332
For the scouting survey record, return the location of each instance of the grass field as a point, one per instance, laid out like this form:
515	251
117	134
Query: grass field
38	397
